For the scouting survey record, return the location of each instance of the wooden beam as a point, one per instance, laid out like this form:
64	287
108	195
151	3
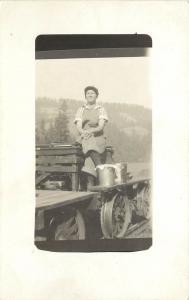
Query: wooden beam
54	199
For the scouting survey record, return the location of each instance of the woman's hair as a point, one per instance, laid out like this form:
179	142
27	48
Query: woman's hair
93	88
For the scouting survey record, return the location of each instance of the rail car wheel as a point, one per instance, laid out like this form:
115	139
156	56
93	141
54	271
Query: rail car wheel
71	228
144	202
115	216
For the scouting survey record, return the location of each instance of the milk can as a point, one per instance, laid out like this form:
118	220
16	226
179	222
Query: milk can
111	174
121	173
106	174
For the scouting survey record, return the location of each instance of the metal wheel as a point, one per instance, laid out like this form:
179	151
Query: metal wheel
144	202
115	216
71	228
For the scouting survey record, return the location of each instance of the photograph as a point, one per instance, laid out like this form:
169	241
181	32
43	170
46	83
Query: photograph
94	150
93	143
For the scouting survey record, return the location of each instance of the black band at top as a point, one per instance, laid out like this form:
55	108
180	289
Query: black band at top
91	41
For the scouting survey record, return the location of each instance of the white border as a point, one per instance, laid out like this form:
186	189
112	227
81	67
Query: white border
158	273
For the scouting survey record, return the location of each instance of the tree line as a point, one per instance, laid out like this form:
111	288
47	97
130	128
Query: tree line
54	123
54	131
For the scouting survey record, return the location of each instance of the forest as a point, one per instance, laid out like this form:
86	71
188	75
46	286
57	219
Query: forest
128	131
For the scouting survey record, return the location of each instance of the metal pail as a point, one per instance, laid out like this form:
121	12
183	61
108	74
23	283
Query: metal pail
121	173
106	174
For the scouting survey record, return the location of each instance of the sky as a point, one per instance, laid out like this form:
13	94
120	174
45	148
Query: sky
118	79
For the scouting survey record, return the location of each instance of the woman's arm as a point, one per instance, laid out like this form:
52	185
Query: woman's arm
84	133
79	126
99	128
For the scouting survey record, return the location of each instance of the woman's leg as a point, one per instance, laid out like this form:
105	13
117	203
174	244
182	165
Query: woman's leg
90	182
96	157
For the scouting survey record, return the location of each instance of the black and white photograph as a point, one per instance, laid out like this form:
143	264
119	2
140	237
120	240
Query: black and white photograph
94	150
94	141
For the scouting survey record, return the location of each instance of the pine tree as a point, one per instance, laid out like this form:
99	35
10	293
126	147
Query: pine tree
42	132
61	124
37	136
51	133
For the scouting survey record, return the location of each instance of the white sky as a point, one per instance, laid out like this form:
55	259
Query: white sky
119	79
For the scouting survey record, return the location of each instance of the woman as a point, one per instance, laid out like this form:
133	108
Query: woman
90	121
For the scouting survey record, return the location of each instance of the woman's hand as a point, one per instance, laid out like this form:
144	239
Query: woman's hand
91	130
86	134
98	128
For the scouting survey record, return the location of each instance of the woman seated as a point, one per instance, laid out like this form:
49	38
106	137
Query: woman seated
90	121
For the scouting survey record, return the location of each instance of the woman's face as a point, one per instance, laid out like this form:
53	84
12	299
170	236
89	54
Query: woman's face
91	97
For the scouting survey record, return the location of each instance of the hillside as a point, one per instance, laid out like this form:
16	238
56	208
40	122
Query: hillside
129	129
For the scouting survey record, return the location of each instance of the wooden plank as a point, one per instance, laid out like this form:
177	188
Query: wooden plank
41	178
55	151
54	199
75	181
140	230
99	188
67	159
59	169
139	180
